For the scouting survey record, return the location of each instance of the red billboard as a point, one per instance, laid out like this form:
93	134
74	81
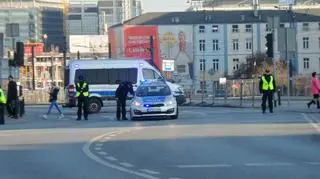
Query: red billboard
137	43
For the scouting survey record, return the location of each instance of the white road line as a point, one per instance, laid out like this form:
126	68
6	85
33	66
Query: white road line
98	148
313	163
110	158
86	150
125	164
99	144
175	178
205	166
276	164
314	125
102	153
150	171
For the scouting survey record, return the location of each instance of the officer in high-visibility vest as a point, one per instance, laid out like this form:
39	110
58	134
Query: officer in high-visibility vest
267	88
82	94
3	102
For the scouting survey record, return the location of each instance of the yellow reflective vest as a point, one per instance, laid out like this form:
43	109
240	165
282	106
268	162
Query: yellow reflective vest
265	85
3	99
85	93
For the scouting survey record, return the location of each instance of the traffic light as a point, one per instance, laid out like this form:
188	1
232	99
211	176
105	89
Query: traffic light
269	45
19	55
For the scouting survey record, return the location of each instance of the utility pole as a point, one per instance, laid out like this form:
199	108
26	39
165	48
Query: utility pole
33	68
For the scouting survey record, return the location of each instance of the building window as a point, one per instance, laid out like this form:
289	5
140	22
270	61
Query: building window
305	26
203	85
248	28
215	44
235	63
235	44
202	29
282	25
202	45
305	42
249	44
235	28
215	28
267	28
202	65
306	63
215	64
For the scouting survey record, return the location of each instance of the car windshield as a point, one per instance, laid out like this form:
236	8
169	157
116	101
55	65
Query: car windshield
153	91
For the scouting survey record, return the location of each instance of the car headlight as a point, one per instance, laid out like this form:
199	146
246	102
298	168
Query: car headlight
136	103
169	102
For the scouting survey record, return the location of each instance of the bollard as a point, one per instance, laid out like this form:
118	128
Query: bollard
2	106
213	91
253	93
241	91
279	97
226	93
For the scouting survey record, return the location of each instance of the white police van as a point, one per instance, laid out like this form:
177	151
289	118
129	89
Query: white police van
103	76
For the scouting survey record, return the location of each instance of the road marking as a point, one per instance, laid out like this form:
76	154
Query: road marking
205	166
98	148
150	171
99	144
197	113
110	158
277	164
87	151
313	163
175	178
102	153
125	164
314	125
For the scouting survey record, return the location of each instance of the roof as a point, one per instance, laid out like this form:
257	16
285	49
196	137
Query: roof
219	17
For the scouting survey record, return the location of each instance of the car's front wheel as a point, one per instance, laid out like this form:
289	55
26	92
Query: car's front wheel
176	116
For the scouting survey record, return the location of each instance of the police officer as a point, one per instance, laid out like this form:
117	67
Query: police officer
267	88
3	102
82	94
121	95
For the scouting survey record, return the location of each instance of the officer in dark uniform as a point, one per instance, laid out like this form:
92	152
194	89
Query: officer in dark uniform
267	87
82	94
12	102
121	95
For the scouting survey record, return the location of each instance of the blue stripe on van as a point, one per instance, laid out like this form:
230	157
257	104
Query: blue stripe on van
106	93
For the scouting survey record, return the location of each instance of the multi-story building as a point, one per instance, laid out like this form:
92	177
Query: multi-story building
33	19
92	17
206	45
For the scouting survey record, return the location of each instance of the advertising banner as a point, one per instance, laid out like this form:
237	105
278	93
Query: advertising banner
176	43
137	43
88	43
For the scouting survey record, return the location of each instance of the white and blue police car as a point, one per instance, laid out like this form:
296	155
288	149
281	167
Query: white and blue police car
154	99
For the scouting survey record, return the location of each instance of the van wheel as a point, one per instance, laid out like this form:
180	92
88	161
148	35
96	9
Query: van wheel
94	105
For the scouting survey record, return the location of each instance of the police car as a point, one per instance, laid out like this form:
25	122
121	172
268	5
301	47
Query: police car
153	99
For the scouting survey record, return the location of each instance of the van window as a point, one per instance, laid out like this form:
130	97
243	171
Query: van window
149	74
108	76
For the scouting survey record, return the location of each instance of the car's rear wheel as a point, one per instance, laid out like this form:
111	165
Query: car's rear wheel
176	116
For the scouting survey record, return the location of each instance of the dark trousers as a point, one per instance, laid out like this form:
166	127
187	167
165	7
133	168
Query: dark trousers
121	108
268	95
12	108
315	100
2	106
83	105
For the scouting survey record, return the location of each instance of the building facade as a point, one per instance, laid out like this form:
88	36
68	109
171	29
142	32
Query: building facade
33	19
213	44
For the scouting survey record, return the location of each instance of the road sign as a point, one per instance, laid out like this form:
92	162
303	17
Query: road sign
168	65
222	80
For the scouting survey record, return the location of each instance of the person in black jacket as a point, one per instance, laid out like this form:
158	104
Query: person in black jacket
267	87
12	101
54	91
121	95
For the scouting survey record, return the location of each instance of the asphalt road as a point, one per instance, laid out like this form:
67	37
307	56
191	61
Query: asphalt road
204	143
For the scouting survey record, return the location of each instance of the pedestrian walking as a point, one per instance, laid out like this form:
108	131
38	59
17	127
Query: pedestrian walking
53	92
121	96
82	94
315	90
3	102
12	101
267	87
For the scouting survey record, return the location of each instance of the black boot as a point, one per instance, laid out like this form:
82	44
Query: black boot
318	104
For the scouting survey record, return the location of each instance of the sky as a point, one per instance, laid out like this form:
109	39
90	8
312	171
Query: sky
164	5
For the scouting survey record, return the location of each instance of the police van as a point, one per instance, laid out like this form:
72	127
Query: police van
104	75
